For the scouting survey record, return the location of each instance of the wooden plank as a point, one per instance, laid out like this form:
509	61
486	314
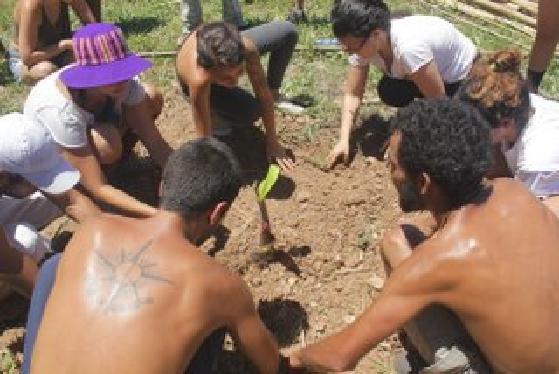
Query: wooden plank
504	11
528	6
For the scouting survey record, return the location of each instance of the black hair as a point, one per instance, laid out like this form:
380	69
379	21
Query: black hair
199	175
496	88
359	17
219	44
449	141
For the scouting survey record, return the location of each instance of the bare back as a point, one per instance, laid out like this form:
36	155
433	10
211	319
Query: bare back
504	256
131	296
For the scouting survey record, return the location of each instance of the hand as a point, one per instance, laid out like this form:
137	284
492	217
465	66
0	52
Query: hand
277	153
295	364
66	44
340	151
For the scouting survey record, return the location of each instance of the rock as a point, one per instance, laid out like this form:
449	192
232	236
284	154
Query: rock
303	196
353	262
320	328
349	318
354	199
377	282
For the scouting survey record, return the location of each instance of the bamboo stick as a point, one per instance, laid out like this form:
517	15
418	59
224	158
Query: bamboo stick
472	24
505	11
528	6
481	13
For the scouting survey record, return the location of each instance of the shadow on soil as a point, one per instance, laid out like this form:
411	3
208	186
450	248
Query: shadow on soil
139	25
249	146
284	318
371	137
137	176
221	236
281	256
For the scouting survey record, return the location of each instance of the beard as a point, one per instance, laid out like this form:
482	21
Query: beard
409	198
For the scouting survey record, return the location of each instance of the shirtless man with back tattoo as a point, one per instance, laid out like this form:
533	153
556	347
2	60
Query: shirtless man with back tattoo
137	296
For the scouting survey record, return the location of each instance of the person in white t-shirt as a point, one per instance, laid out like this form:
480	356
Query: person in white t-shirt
36	186
420	56
92	107
525	127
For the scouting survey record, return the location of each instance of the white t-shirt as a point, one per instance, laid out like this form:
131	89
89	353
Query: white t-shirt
418	40
65	120
534	158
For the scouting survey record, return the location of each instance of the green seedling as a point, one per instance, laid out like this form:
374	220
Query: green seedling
266	185
262	190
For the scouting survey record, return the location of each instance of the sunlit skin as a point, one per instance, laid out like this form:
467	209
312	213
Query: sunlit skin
143	300
199	81
494	263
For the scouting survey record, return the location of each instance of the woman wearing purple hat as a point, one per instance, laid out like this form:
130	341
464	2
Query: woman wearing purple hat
42	41
90	105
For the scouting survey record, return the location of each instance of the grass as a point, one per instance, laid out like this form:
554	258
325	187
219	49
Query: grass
154	25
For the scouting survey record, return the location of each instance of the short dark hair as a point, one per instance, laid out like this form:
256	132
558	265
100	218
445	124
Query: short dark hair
219	44
199	175
449	141
496	88
359	17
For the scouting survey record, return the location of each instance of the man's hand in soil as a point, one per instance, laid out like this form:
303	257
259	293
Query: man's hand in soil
278	153
339	153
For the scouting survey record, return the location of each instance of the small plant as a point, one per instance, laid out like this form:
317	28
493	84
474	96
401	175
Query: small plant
262	190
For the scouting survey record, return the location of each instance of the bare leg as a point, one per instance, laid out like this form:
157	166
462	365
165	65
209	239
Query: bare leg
140	119
232	12
191	15
547	36
95	6
106	142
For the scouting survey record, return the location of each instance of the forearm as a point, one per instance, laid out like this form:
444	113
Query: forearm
202	120
84	12
42	54
328	355
122	201
268	116
350	111
76	205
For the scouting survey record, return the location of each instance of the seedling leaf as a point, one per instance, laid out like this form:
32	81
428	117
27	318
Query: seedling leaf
267	183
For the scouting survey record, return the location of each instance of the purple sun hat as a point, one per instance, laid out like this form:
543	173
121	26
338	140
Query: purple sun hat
102	58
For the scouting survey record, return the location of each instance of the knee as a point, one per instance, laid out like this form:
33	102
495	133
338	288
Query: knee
394	247
108	145
291	33
155	98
